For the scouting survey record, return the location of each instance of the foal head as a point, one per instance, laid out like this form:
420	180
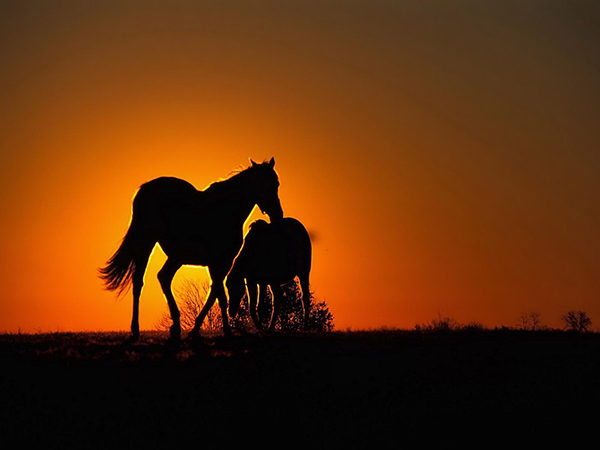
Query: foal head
236	286
266	189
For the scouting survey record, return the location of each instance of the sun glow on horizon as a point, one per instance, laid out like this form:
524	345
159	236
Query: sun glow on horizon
439	164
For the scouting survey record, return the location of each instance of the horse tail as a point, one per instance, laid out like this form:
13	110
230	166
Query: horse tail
118	272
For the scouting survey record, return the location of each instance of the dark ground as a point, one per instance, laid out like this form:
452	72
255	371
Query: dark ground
335	390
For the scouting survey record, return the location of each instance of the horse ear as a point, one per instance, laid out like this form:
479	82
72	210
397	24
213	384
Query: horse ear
253	163
272	162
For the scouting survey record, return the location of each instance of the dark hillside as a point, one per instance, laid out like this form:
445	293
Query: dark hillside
356	388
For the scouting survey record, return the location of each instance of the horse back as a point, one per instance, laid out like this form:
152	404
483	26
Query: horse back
279	251
188	223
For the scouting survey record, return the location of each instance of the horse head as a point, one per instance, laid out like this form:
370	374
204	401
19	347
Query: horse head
266	189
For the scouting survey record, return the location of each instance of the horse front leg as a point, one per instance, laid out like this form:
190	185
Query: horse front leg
217	292
218	274
210	301
222	297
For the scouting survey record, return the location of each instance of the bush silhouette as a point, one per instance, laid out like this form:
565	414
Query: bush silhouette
191	296
441	324
291	313
530	321
577	321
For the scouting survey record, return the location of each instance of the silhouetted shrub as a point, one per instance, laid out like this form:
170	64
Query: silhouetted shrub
442	324
192	294
473	326
292	311
445	324
530	321
577	321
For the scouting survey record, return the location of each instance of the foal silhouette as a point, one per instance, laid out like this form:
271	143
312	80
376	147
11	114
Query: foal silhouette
272	255
200	228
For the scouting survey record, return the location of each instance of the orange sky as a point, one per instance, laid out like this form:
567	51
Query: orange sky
444	155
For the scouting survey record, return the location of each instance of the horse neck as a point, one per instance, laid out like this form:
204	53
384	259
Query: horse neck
234	188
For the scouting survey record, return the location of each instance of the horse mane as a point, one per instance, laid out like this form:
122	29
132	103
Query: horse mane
226	184
235	176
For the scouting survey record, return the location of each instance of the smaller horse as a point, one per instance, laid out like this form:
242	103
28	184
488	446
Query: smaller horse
272	255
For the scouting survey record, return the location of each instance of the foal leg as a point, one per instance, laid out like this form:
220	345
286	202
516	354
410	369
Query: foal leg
305	300
263	306
252	302
165	277
277	297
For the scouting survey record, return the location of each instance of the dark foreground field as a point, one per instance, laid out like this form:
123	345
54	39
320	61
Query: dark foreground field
340	389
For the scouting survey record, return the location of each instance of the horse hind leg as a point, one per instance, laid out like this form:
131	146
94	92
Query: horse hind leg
138	284
165	277
140	264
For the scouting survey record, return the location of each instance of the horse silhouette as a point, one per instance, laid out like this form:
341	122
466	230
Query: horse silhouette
272	255
199	228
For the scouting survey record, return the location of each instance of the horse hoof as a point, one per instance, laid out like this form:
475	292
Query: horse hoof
174	339
132	339
193	337
175	332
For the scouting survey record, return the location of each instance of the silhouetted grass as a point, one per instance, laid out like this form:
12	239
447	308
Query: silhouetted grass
113	349
341	387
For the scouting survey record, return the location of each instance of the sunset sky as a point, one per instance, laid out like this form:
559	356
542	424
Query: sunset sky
444	155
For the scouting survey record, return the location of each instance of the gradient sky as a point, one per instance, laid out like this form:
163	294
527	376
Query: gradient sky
444	155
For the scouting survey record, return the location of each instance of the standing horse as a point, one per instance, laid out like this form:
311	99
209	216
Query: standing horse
199	228
272	255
